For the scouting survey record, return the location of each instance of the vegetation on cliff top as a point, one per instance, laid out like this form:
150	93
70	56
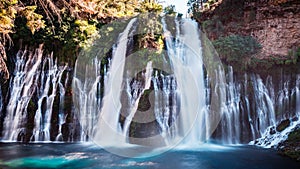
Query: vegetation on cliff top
62	26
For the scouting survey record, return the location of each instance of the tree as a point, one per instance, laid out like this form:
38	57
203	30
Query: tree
67	23
195	5
170	10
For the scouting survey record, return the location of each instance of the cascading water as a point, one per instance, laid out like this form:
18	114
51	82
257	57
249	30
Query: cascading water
247	106
61	115
180	107
53	77
251	105
32	75
185	56
109	131
246	109
166	105
264	105
298	94
135	104
22	89
231	112
88	99
281	101
108	127
274	135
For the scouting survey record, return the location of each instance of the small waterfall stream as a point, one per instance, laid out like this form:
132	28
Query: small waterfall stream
298	94
50	78
22	89
37	78
86	86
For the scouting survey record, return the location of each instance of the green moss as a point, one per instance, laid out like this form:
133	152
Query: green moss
291	147
294	136
292	154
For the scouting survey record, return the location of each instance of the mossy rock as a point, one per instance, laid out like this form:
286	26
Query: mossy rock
295	136
283	125
293	154
291	147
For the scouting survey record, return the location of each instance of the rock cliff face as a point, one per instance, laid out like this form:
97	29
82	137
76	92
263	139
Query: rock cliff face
274	23
275	26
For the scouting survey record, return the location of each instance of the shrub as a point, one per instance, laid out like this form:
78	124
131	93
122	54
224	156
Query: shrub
236	48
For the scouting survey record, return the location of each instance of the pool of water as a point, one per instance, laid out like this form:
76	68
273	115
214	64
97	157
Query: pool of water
89	156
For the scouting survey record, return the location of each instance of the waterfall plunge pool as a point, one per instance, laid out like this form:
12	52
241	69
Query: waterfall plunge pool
90	156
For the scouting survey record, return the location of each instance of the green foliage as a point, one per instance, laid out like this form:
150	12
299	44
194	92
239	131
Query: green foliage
149	6
208	3
112	8
7	16
294	55
261	63
214	27
86	31
149	31
170	10
10	10
68	25
34	20
236	48
149	41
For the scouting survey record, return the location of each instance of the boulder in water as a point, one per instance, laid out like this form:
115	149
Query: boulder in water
283	125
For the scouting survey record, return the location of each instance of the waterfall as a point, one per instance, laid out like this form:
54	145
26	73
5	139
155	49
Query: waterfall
86	85
180	101
231	124
134	108
166	105
254	106
61	115
49	78
191	103
247	108
109	131
22	88
264	105
186	59
298	94
32	76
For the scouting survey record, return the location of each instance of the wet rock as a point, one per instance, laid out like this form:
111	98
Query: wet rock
291	147
272	130
66	131
283	125
295	119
